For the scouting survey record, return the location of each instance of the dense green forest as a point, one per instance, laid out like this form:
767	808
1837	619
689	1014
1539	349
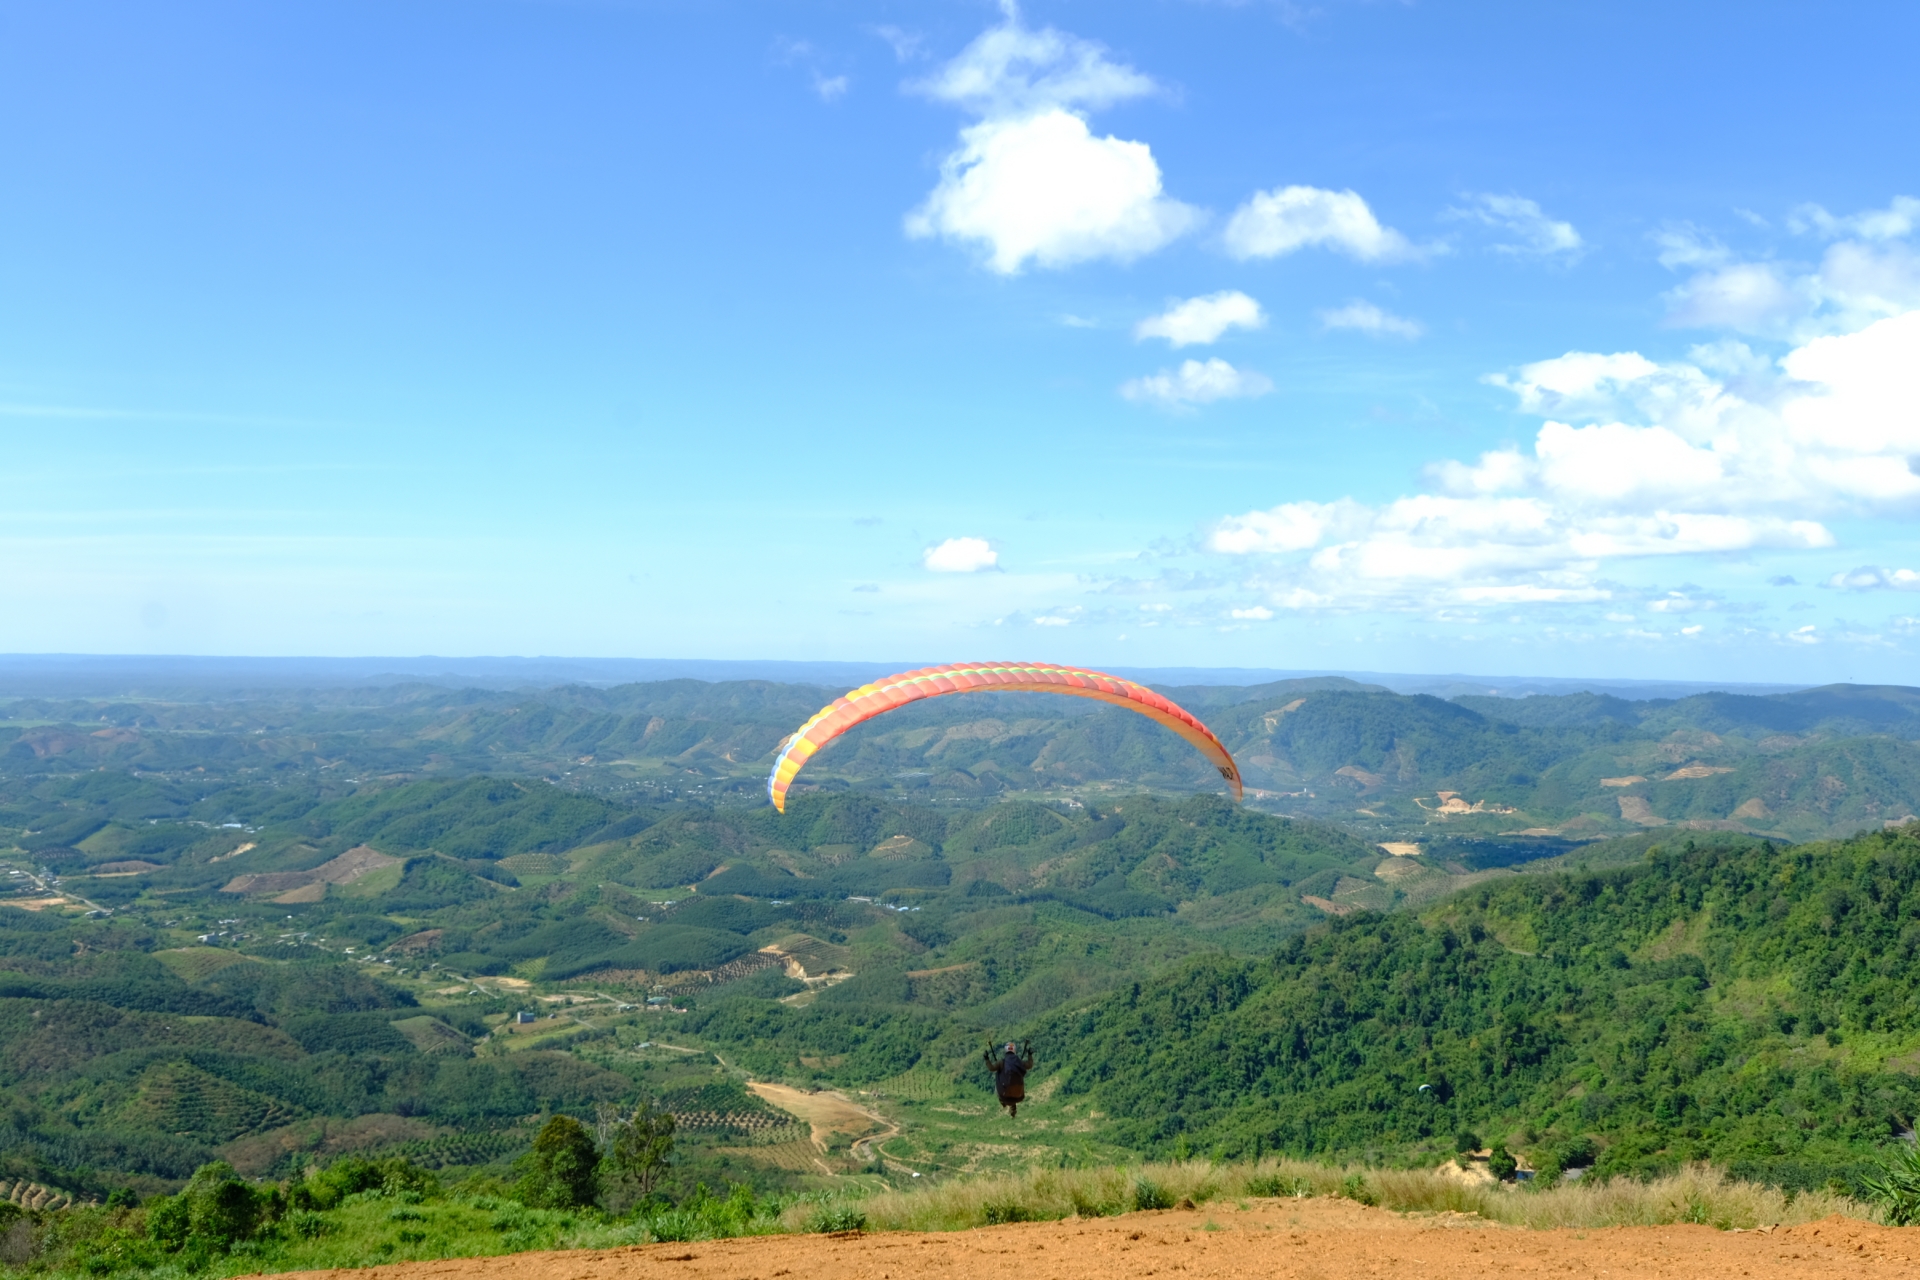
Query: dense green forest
409	921
1741	1002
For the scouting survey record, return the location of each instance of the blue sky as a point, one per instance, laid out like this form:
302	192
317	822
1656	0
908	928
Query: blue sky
1508	338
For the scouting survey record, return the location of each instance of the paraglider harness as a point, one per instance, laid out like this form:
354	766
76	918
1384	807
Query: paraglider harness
1010	1075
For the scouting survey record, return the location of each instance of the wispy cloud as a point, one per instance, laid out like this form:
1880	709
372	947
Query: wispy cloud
803	53
1895	222
95	413
907	46
1196	382
1365	317
1532	231
1198	321
1873	578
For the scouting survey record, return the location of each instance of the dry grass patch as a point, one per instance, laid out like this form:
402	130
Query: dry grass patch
1698	1194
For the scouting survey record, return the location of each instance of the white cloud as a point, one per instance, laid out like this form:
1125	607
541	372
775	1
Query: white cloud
1873	578
1835	434
1031	181
1897	220
830	88
1286	219
1258	613
1578	382
1868	273
1534	232
1858	281
961	555
1291	526
1195	382
1364	317
1637	459
1679	602
1747	296
1203	320
1046	620
1010	70
1685	246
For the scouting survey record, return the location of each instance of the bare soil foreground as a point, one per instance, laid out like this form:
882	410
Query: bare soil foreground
1321	1239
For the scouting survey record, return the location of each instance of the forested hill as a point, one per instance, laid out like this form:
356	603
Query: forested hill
1808	765
1746	1003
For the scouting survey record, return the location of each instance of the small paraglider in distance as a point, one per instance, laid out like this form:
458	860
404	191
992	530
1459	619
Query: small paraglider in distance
1010	1074
870	700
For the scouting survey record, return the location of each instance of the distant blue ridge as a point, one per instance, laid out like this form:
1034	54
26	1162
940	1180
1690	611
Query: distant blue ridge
82	675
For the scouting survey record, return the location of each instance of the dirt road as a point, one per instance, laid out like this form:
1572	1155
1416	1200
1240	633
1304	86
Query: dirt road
1307	1239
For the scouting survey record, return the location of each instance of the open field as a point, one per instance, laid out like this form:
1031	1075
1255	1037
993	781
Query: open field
1324	1239
829	1113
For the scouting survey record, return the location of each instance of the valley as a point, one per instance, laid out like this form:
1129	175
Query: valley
411	922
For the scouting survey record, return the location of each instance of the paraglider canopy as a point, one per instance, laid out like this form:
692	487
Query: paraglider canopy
881	696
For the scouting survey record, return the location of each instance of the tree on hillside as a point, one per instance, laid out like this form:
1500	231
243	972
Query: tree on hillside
1501	1164
638	1148
560	1171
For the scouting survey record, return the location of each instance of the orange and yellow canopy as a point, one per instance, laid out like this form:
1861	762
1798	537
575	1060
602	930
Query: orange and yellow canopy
881	696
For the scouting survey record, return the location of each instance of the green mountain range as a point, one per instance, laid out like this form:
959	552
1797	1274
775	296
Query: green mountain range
279	930
1812	764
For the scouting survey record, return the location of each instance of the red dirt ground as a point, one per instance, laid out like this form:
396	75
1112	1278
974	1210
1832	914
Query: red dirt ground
1309	1239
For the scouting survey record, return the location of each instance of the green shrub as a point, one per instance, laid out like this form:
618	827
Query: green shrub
829	1219
304	1224
354	1176
1501	1163
704	1216
1354	1187
1003	1211
1275	1184
1896	1187
167	1222
1088	1207
1148	1194
116	1249
215	1211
